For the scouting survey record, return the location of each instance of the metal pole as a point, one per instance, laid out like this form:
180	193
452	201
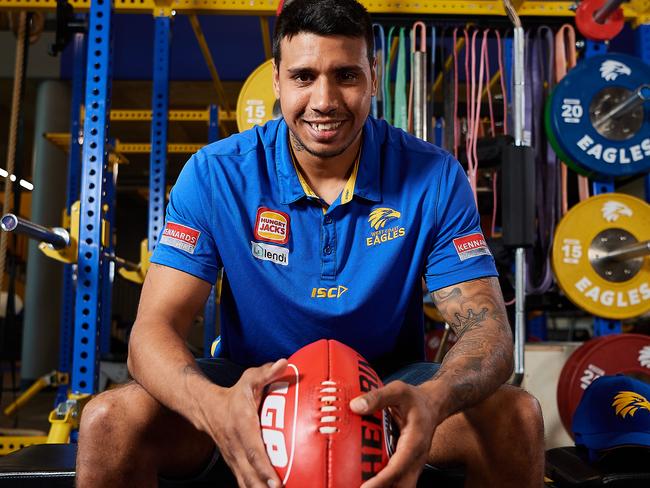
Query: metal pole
632	251
57	238
639	97
420	121
602	14
518	113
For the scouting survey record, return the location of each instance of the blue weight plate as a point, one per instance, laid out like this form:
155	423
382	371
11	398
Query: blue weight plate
552	139
599	83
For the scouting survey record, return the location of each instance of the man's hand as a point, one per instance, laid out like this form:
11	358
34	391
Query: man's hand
235	427
415	416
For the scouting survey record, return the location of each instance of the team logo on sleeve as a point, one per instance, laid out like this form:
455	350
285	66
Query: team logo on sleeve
471	246
180	236
272	226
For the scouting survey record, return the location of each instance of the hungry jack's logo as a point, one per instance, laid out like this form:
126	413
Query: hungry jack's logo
272	226
628	402
378	219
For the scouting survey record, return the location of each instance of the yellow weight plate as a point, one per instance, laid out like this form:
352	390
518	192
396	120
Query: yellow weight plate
256	100
594	227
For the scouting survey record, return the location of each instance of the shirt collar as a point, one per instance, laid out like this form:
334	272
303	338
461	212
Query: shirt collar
363	182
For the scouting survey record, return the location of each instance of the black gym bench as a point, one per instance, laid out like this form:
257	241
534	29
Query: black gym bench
53	465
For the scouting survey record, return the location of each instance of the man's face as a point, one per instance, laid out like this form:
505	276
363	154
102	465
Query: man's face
325	85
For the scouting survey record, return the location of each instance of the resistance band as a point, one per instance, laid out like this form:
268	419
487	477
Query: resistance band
565	59
401	104
378	100
417	105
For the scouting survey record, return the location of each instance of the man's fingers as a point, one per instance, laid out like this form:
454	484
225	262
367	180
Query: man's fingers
256	455
403	468
380	398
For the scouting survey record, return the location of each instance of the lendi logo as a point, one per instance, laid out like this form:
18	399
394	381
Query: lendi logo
268	252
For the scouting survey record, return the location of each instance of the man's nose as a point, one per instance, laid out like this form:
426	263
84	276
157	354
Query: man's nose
325	95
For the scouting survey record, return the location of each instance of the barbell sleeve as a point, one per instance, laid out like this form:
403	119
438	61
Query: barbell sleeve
606	10
122	263
639	97
631	251
58	238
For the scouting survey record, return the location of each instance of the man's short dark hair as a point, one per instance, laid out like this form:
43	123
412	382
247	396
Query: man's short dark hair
325	18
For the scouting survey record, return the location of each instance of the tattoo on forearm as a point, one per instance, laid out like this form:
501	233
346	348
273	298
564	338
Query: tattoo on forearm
476	364
469	322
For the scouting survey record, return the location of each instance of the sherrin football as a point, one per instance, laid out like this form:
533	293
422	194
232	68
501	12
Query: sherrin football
312	437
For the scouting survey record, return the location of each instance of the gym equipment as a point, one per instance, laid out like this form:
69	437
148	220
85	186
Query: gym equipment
599	253
311	436
60	244
596	118
600	20
607	355
418	119
570	467
256	103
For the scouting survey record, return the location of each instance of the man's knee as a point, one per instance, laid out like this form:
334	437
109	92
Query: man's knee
114	414
526	412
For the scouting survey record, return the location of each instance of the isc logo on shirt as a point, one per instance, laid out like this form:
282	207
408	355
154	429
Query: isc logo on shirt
470	246
272	226
180	237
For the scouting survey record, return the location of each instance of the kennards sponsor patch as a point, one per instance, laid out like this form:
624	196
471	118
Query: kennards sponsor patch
180	237
471	246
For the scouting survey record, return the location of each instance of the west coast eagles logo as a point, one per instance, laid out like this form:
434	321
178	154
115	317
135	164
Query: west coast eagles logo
380	216
628	402
610	70
378	219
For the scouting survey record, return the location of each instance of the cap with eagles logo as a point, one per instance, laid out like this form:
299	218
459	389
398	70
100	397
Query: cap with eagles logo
613	412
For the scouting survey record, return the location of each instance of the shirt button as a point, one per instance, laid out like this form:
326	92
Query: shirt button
327	250
328	219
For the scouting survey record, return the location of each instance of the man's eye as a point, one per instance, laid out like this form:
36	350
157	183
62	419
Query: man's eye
302	77
349	76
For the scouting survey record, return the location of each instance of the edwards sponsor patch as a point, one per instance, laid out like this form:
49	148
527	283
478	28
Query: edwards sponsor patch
180	237
272	226
471	246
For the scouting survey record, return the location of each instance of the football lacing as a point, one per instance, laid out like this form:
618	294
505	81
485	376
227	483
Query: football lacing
328	392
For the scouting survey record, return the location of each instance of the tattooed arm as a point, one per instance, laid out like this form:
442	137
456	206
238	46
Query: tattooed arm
482	359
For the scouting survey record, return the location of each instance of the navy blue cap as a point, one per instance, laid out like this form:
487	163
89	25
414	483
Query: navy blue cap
613	412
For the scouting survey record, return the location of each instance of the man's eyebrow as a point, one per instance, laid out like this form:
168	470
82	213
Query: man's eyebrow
306	69
299	69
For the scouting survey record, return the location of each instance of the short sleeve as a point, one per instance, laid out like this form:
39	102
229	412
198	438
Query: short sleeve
458	251
187	242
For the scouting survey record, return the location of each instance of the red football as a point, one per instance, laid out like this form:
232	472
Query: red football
311	435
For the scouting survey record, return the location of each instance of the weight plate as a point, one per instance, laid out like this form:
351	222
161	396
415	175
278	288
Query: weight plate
567	374
555	144
257	104
604	287
591	29
627	354
618	147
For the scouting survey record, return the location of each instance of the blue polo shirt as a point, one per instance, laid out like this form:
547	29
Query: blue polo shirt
298	270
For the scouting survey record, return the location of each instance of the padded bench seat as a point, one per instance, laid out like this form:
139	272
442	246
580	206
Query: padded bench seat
53	465
623	468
